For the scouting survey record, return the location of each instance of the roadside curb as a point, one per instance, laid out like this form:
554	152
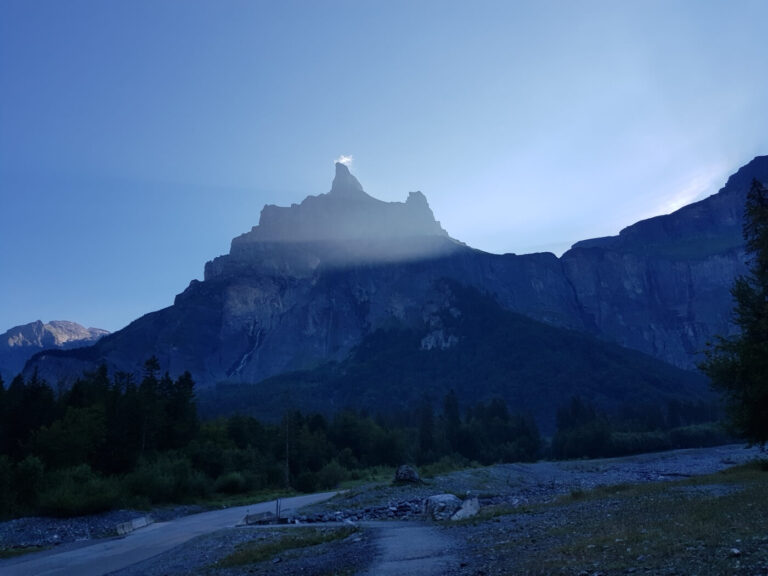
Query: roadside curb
128	527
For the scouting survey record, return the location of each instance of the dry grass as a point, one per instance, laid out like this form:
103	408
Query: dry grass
710	525
292	539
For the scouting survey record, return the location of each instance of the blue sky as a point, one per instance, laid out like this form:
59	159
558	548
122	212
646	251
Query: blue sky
137	138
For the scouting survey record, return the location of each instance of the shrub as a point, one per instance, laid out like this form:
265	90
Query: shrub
306	482
167	479
77	491
7	495
331	475
231	483
27	480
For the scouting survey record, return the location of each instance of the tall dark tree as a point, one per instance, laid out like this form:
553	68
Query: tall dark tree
426	430
738	366
151	406
180	421
452	419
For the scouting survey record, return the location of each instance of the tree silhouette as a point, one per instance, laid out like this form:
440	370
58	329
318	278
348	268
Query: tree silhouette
738	366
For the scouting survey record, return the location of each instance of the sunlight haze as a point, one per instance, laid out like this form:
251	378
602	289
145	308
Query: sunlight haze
138	138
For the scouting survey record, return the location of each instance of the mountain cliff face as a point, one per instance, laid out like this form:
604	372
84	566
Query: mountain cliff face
309	282
662	286
20	343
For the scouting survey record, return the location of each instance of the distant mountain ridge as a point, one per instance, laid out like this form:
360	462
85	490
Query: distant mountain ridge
312	281
20	343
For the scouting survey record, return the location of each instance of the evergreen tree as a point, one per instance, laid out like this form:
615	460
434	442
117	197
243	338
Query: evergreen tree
738	366
151	406
426	430
452	418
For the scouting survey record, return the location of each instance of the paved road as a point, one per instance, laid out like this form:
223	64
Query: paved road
410	548
105	556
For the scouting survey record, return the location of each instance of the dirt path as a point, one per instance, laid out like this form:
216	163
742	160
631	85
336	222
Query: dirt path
410	548
105	556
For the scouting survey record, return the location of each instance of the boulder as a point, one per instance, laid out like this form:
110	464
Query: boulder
469	508
442	506
407	474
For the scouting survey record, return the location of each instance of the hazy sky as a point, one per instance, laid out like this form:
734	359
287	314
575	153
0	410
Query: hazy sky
138	138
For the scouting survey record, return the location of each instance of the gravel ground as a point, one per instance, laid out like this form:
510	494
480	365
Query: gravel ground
43	532
481	548
200	556
519	484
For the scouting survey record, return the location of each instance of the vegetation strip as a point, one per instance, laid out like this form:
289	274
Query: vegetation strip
293	539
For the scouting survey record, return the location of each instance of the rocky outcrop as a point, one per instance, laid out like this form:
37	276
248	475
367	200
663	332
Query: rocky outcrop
442	506
307	284
19	343
662	286
407	474
342	228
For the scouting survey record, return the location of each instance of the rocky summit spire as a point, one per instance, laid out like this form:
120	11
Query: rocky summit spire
344	184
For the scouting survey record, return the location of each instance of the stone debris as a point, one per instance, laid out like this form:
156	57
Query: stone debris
470	507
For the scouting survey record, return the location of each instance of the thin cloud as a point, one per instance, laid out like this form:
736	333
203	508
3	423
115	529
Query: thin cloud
700	186
344	159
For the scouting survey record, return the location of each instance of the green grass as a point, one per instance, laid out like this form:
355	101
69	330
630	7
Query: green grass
20	551
292	539
229	500
366	476
689	526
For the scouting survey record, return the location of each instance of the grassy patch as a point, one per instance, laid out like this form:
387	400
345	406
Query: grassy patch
20	551
715	524
292	539
490	513
228	501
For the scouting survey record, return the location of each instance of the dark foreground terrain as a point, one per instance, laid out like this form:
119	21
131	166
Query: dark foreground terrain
684	512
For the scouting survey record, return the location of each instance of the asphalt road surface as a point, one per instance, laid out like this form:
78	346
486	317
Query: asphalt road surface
105	556
410	548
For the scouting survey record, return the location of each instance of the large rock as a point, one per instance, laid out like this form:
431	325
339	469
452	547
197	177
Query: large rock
442	506
407	474
470	507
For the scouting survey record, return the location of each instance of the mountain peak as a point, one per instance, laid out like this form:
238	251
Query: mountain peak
345	184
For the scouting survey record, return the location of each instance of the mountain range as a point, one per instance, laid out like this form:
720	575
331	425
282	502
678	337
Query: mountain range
20	343
316	283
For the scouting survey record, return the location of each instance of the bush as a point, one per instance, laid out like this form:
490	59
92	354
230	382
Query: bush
624	443
445	465
7	495
591	440
331	475
231	483
27	480
77	491
167	479
699	435
306	482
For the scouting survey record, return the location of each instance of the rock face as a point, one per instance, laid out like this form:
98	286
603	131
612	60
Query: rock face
342	228
19	343
442	506
662	286
307	284
470	507
407	474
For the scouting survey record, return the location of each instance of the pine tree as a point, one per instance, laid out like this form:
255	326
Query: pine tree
738	366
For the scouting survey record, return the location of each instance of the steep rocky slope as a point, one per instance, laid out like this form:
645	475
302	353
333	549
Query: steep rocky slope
308	283
662	286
